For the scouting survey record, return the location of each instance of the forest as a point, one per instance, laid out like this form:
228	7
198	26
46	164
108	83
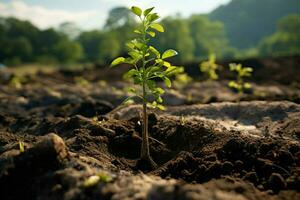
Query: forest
231	31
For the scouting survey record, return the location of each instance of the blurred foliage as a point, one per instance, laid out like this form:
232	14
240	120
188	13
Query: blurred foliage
208	36
239	84
21	41
231	31
176	36
285	41
248	21
209	68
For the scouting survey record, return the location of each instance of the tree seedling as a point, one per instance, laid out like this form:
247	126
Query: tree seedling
239	84
148	65
182	80
21	147
210	67
93	180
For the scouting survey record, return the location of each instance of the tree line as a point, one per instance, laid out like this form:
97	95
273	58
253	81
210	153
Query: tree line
195	37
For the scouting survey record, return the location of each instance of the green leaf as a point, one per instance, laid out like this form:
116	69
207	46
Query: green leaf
159	90
21	147
233	84
117	61
247	86
131	73
148	11
151	33
91	181
167	64
136	10
160	107
137	31
151	70
137	80
151	84
169	53
137	44
167	81
154	51
159	99
135	54
157	27
131	89
160	62
130	99
152	17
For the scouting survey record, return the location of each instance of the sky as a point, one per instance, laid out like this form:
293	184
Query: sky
90	14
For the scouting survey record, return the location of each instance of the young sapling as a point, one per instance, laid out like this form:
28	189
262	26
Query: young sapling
210	67
241	72
148	64
182	80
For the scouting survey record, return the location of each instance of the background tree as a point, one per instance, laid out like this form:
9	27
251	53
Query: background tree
70	29
208	36
178	37
120	23
286	40
99	46
67	51
249	21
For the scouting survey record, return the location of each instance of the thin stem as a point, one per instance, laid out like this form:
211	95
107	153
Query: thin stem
145	152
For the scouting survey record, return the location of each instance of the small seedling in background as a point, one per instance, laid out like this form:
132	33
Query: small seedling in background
101	177
21	147
102	83
79	80
148	65
210	67
239	84
182	120
182	80
16	82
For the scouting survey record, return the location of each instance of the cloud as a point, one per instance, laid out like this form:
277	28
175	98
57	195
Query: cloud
44	17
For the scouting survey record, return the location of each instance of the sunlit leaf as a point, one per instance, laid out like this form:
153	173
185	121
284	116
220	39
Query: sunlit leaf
247	86
157	27
137	31
117	61
167	81
131	73
169	53
151	33
136	10
152	17
91	181
154	51
147	11
167	64
160	107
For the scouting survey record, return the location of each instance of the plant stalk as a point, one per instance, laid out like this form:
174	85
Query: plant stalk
145	150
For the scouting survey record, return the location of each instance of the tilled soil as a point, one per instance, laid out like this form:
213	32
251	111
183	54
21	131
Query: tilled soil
79	143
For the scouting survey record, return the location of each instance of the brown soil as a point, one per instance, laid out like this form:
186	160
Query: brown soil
80	143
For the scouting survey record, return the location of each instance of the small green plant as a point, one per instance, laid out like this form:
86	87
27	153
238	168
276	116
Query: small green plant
17	82
210	67
103	177
148	65
79	80
182	80
239	84
21	147
183	120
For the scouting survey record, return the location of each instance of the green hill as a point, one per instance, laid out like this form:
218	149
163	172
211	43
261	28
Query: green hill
248	21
